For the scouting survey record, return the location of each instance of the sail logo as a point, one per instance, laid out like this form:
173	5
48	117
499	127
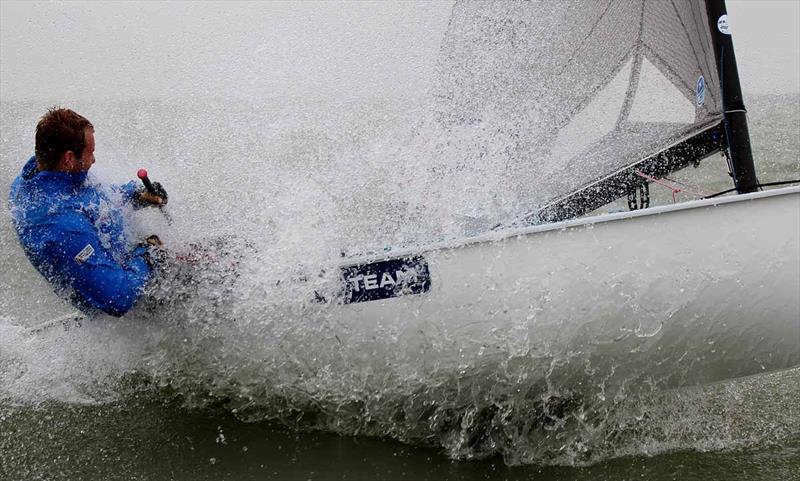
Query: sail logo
385	279
700	91
723	26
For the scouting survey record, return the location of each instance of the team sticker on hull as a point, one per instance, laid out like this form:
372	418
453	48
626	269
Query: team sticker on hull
385	279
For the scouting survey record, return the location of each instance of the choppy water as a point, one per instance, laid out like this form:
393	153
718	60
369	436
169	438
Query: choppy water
276	394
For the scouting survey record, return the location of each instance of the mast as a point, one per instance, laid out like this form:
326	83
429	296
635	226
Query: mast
738	137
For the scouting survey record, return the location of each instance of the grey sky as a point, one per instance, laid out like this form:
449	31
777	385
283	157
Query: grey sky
766	35
80	50
240	49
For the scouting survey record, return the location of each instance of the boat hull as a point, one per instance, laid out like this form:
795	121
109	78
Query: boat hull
671	296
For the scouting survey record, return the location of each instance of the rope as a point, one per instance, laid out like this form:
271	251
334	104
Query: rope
768	184
675	190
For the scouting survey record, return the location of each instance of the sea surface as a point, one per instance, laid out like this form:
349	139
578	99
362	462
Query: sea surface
250	383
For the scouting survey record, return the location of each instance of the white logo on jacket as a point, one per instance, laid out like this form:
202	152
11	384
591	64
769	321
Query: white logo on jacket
85	253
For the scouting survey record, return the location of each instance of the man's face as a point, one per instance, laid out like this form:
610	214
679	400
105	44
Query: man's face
70	163
85	161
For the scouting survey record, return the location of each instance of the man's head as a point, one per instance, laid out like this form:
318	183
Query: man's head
64	141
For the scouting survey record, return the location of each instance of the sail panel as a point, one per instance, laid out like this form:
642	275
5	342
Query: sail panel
657	99
596	120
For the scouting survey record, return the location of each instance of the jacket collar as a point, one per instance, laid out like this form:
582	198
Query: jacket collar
66	179
62	179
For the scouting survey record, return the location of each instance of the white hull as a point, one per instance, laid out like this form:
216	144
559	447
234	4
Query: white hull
677	295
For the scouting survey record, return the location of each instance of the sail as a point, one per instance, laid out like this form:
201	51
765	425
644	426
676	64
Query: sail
585	88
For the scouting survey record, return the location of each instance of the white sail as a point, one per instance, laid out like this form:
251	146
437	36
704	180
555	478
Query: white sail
583	88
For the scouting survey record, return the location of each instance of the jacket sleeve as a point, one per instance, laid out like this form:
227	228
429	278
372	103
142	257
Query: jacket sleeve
96	277
128	192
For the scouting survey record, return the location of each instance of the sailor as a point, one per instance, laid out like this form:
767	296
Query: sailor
71	228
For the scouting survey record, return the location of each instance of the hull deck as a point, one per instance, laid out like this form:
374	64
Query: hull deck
675	295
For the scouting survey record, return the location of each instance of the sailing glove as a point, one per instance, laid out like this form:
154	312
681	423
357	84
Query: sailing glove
158	197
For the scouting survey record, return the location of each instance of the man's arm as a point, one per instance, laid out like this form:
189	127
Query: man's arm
81	261
128	191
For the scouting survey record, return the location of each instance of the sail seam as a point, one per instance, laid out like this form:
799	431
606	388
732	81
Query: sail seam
686	31
636	69
583	42
565	117
704	40
672	73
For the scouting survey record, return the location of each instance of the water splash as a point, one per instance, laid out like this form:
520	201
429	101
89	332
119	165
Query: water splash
301	185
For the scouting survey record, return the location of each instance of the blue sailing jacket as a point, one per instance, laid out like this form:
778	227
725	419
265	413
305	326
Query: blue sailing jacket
75	236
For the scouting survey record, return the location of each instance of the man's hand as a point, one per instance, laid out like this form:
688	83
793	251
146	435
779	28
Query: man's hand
155	255
146	198
153	240
158	197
